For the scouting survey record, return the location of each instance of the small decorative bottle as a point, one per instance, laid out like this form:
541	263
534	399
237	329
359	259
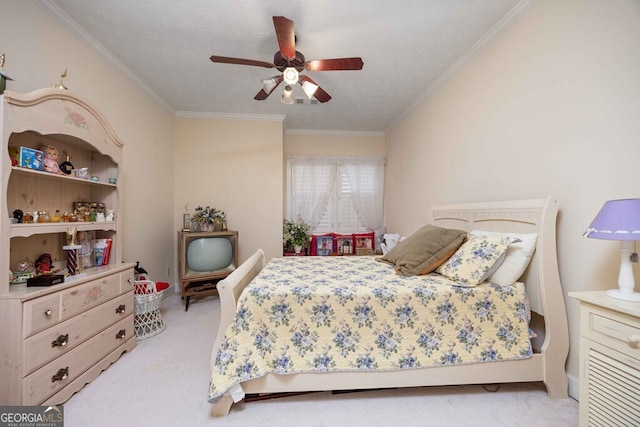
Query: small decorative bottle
27	218
66	167
56	216
65	217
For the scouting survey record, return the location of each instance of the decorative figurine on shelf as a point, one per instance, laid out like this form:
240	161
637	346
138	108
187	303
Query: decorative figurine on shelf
61	85
14	153
44	264
3	76
18	215
110	216
72	239
72	248
51	160
66	167
73	259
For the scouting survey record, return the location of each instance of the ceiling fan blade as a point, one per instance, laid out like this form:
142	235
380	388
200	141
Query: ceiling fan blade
240	61
286	36
335	64
261	96
319	94
269	85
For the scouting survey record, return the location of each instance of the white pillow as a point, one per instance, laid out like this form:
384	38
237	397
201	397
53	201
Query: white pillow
517	258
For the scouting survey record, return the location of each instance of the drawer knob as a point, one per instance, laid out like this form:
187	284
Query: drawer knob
61	341
130	280
120	309
121	334
634	340
48	312
61	375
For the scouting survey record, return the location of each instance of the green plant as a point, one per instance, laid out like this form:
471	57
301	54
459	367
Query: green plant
295	233
208	215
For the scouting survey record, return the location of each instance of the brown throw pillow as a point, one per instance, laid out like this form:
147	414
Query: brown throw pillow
425	250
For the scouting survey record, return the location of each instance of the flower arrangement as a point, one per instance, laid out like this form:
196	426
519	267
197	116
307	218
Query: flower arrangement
295	234
209	215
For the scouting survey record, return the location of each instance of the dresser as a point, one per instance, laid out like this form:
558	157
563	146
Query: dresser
609	360
55	339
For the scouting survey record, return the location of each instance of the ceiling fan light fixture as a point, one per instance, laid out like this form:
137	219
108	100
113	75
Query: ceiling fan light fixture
270	84
290	75
309	88
287	96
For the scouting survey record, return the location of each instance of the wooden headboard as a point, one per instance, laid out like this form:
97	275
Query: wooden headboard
519	216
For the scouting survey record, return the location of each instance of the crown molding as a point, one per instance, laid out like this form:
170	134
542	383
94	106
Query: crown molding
67	22
229	116
333	132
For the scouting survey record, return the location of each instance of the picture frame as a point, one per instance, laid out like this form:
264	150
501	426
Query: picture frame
343	244
363	243
324	245
186	222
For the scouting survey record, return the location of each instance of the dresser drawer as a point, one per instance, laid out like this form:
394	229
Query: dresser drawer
126	281
60	339
614	330
54	376
74	301
40	313
46	311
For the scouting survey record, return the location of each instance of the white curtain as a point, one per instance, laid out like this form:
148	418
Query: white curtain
312	182
366	180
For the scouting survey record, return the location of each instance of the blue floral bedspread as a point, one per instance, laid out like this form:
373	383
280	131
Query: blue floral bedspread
321	314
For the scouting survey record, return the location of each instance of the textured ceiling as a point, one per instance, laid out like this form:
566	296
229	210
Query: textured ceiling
406	46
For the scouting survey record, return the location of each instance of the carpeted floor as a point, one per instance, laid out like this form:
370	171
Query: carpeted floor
164	382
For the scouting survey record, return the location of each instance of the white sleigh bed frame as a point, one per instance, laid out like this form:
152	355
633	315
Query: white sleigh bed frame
543	288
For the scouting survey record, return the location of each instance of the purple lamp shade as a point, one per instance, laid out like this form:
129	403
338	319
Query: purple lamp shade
617	220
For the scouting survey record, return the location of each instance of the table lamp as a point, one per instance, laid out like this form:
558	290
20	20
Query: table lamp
620	220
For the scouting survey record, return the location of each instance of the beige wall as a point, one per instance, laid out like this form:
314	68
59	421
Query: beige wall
236	166
334	144
37	52
548	107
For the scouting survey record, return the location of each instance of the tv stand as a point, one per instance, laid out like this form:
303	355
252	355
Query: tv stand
200	288
201	278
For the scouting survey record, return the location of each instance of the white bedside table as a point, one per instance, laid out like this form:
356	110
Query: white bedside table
609	360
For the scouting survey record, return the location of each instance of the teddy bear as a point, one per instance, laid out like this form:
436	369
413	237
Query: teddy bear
51	160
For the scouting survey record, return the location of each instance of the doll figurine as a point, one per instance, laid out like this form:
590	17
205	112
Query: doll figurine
51	160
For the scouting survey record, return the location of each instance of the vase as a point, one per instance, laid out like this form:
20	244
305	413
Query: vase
207	226
297	249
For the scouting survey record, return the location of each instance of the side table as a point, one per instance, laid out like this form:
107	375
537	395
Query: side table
609	360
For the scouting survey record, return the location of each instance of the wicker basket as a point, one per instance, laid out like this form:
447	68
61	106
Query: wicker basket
147	320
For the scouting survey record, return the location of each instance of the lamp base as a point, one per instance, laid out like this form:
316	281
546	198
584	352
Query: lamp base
626	296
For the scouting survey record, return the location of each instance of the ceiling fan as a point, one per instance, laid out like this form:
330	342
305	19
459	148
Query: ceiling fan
291	63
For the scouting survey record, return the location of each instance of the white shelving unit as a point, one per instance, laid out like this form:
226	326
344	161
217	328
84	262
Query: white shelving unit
55	339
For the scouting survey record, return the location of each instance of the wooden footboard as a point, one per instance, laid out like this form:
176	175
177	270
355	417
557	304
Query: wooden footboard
229	291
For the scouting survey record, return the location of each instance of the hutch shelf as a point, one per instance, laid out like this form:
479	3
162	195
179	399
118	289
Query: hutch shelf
55	339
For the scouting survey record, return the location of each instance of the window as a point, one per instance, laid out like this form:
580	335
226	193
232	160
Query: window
341	195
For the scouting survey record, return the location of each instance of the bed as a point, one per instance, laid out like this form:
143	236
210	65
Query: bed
539	319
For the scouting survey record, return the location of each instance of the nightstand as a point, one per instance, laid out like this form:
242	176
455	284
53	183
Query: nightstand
609	360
